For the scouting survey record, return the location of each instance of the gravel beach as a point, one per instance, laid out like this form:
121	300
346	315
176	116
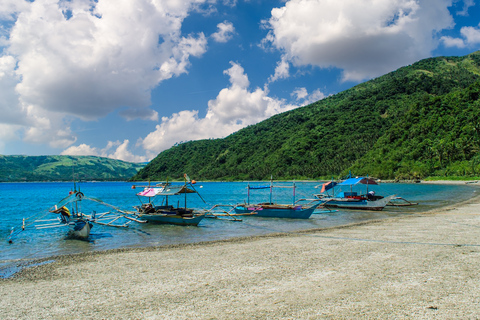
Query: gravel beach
421	266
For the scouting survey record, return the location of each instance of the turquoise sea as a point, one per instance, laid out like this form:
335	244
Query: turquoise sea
24	200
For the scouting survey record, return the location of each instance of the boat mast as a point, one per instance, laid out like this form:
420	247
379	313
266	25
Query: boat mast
271	188
185	190
293	193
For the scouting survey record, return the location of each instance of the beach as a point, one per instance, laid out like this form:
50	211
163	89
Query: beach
420	266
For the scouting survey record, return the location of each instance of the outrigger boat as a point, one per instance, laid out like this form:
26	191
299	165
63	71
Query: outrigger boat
351	199
166	213
274	210
69	214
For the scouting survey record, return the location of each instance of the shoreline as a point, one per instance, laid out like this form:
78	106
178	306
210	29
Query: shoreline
421	265
25	268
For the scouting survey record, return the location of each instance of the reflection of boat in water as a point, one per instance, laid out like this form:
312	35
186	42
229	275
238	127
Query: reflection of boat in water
166	213
274	210
352	199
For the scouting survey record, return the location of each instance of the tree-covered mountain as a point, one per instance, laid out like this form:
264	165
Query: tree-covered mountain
418	121
64	168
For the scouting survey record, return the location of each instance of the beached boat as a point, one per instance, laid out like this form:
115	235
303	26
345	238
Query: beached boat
352	199
165	213
274	210
70	213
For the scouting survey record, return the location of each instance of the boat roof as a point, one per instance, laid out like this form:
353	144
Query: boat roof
358	180
165	191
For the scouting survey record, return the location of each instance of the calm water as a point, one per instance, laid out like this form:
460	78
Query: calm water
23	200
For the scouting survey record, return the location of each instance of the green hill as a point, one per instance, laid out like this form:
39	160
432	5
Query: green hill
62	168
418	121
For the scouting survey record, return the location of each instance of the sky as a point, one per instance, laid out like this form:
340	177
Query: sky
127	79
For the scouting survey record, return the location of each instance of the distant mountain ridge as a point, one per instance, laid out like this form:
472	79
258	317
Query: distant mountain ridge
64	168
418	121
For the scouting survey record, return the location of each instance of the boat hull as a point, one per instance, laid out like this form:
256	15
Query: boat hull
80	229
357	204
172	219
273	211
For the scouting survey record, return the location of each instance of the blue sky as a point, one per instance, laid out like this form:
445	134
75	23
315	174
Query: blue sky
129	79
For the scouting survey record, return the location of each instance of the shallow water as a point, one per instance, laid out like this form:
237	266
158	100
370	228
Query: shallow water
23	200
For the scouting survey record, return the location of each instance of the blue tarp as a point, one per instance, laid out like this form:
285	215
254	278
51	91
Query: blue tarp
353	181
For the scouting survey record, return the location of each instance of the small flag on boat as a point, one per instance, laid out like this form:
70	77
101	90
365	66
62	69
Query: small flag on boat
328	185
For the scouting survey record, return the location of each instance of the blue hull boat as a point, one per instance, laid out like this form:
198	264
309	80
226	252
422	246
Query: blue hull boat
269	210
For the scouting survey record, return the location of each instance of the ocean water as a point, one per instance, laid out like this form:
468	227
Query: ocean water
29	200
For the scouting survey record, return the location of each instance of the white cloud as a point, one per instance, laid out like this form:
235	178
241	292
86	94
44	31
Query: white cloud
282	70
11	7
471	34
452	42
365	38
7	133
301	95
106	55
234	108
225	32
85	59
114	149
80	150
466	5
470	37
11	113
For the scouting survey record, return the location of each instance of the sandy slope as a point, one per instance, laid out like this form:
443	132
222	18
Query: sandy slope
417	267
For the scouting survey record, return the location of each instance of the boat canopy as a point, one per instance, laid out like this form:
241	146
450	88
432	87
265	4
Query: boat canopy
359	180
166	191
150	192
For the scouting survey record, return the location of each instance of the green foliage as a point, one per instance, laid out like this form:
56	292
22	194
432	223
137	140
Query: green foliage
63	168
418	121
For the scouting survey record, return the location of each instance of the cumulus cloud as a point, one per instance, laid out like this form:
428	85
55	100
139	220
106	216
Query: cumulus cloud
301	95
282	70
114	149
466	5
361	37
86	59
470	37
11	7
225	32
234	108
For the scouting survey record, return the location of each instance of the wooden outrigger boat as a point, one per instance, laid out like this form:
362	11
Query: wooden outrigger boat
166	213
70	214
274	210
351	199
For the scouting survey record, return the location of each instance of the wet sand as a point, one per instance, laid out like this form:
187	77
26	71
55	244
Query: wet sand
421	266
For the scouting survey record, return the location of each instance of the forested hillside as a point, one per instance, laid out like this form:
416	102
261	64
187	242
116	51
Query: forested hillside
418	121
64	168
